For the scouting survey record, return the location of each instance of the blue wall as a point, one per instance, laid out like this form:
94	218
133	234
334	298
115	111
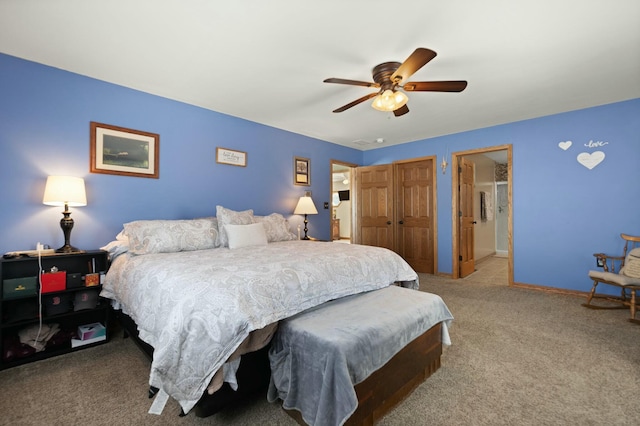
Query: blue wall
563	212
44	130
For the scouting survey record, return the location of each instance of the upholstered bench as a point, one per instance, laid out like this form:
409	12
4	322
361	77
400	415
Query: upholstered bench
355	358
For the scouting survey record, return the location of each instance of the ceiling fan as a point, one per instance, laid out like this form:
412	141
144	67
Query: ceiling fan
391	79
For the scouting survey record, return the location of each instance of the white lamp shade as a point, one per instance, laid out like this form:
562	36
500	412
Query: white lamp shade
305	206
61	190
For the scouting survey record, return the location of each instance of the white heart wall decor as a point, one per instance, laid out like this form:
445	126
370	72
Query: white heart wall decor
590	160
565	145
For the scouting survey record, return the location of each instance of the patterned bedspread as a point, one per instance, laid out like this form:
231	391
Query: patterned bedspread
196	307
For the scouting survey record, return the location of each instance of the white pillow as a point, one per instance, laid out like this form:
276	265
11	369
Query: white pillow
230	217
116	248
276	227
246	235
632	264
168	236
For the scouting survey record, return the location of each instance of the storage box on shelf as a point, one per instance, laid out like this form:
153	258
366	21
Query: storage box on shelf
67	305
53	281
88	334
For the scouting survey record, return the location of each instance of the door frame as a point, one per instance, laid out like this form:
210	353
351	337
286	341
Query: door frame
352	199
455	205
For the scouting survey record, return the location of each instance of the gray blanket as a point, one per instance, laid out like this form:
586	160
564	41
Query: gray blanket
318	356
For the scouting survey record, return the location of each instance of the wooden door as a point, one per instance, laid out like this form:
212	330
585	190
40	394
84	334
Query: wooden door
374	206
415	214
466	235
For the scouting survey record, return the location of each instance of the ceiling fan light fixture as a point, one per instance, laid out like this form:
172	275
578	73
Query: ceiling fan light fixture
389	100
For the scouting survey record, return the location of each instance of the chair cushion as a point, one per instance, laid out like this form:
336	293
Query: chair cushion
632	264
616	279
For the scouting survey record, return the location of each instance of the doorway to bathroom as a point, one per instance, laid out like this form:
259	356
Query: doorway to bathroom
341	201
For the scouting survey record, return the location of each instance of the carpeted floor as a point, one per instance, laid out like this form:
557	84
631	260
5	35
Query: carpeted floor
519	357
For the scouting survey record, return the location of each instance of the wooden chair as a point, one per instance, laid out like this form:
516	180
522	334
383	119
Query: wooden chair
622	272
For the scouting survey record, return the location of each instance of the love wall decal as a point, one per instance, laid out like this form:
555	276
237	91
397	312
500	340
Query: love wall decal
588	160
565	145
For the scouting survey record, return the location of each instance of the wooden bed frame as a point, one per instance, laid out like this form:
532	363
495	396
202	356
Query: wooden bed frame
377	395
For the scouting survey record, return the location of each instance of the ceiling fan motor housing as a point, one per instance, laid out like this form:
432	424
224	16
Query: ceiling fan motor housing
382	75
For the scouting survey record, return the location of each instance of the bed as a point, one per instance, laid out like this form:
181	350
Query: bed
207	294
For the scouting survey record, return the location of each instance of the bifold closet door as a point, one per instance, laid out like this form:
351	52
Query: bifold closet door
414	214
395	209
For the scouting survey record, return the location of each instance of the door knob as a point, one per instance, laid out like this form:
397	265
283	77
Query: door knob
388	222
474	222
401	222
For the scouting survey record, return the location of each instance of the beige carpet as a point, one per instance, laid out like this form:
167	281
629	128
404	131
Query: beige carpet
519	357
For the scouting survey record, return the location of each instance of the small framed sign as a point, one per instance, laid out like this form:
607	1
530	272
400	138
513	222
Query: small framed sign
231	157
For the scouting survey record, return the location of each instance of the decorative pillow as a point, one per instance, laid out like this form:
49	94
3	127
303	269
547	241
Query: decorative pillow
246	235
122	236
116	248
168	236
632	264
214	228
230	217
276	227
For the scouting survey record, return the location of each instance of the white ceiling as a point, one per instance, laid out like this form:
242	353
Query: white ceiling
265	60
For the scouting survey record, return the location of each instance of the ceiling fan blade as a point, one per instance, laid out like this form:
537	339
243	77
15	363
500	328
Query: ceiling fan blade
413	63
351	82
435	86
401	111
356	102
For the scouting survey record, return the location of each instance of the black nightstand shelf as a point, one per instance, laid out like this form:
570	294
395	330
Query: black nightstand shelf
21	312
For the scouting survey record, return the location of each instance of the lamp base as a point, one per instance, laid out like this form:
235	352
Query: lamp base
305	227
66	223
68	249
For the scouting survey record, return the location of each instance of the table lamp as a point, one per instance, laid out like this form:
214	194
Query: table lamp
305	206
65	191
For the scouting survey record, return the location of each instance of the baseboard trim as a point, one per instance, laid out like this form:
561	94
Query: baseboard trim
535	287
551	290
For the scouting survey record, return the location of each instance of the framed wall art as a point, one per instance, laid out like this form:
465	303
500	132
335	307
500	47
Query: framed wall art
231	157
301	171
120	151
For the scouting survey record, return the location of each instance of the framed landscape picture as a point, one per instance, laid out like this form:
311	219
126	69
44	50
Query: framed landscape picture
120	151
